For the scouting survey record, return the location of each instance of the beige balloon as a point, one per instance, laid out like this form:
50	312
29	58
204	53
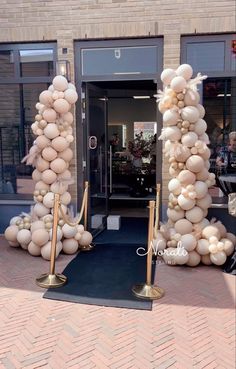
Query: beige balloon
49	154
194	259
70	246
86	238
24	237
49	176
11	233
33	249
38	224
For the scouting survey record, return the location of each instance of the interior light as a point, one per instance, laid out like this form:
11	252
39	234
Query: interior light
141	97
222	95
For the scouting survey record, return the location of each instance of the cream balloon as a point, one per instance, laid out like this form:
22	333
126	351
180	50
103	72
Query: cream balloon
23	237
68	117
49	153
206	260
41	164
11	233
40	210
167	75
60	83
38	224
203	246
48	200
61	106
174	186
183	226
66	155
70	246
205	202
71	96
40	237
218	258
194	259
190	113
45	98
50	115
185	202
200	127
46	250
58	165
42	142
49	176
185	71
228	246
60	144
178	84
85	239
210	231
195	163
51	131
189	139
171	117
68	231
191	97
34	249
65	198
201	110
201	189
188	242
175	215
186	177
41	186
172	133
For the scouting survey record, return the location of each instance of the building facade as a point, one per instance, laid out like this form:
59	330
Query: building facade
116	50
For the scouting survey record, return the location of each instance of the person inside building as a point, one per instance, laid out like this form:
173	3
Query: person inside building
226	159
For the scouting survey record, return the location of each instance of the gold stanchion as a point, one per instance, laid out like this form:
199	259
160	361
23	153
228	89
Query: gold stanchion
53	280
156	226
88	247
147	290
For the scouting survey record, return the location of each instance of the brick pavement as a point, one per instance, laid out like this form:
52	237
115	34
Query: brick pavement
193	326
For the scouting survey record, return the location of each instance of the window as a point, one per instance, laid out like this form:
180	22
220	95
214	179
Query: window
120	61
36	62
25	71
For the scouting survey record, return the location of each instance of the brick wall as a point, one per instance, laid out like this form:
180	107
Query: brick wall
66	21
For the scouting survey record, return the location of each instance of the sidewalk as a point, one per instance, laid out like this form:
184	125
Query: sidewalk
192	326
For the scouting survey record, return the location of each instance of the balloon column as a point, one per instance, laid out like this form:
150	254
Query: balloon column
188	235
51	156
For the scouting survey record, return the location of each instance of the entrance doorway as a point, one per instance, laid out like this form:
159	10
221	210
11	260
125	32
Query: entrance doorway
123	157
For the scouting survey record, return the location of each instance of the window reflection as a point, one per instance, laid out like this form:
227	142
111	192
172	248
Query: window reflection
6	64
36	63
219	100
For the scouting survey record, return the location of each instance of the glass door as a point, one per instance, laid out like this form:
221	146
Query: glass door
96	154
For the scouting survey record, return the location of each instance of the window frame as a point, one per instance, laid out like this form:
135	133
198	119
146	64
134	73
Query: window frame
19	80
226	38
16	48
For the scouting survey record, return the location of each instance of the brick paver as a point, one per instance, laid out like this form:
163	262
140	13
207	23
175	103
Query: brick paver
192	326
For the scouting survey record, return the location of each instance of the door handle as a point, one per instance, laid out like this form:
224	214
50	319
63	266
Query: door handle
100	167
92	142
110	169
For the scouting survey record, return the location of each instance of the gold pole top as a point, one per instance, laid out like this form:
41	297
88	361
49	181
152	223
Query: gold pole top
151	204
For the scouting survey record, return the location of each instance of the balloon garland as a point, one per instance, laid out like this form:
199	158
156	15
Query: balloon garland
50	155
188	237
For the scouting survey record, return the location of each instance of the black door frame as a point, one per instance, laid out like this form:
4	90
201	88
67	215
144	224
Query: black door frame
79	45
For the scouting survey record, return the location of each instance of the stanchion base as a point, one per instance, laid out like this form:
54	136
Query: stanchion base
87	248
144	291
51	280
